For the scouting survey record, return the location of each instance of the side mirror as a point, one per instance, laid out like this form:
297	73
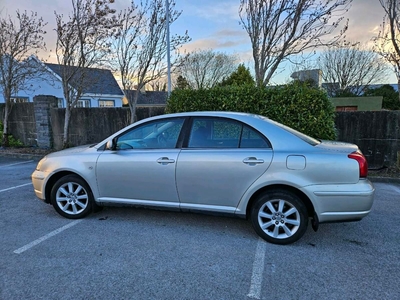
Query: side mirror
110	145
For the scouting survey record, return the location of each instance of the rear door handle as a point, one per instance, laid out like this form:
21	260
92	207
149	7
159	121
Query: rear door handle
252	161
165	161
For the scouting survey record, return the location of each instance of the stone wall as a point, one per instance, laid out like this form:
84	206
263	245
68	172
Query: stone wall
44	132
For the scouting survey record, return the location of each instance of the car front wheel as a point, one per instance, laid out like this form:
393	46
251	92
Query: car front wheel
71	197
279	217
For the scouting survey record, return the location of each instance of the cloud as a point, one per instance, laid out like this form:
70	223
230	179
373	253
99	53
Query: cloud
221	40
211	43
231	33
365	17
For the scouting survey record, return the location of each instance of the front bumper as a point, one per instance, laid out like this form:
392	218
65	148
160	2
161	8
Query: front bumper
38	181
344	202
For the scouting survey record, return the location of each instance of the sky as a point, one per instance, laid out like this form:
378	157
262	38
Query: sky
211	24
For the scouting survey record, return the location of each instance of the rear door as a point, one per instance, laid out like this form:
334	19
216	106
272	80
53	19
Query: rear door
219	161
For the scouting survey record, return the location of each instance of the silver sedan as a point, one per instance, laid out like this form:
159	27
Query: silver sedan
221	162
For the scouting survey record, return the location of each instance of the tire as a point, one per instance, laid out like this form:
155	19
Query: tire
72	198
279	217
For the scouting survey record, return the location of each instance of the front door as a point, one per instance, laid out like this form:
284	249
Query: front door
141	169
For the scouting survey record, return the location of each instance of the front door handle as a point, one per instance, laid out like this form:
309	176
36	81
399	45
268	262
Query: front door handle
165	161
252	161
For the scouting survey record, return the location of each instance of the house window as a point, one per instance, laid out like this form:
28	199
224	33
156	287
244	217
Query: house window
83	103
106	103
19	99
60	103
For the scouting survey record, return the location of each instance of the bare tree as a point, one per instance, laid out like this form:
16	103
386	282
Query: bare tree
159	85
281	28
351	68
387	43
19	38
205	68
140	47
82	43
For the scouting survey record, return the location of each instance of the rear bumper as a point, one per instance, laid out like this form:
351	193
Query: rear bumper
344	202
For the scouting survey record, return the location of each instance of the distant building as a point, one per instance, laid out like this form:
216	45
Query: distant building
314	75
100	90
357	103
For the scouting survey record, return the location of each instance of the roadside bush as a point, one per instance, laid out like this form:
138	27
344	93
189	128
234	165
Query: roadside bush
297	105
13	142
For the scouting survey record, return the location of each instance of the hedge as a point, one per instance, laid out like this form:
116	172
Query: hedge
297	105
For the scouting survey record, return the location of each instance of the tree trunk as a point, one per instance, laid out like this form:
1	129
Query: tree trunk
133	104
133	114
5	141
66	126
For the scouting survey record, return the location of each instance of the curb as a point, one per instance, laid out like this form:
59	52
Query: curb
23	155
385	179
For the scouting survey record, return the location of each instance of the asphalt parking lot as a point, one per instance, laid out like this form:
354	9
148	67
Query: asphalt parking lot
131	253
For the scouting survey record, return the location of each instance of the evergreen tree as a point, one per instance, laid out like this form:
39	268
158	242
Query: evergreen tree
181	83
241	76
390	96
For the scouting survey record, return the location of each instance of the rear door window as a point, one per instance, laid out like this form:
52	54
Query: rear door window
224	133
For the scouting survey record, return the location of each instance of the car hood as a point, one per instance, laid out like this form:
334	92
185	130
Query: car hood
337	146
70	151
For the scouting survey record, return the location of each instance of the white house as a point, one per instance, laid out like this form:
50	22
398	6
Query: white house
101	90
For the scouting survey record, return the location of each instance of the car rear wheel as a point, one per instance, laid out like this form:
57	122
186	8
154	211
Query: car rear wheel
279	217
72	198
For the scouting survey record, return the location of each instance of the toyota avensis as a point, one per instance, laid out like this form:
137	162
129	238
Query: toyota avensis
221	162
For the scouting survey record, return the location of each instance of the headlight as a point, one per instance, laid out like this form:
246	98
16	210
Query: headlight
39	165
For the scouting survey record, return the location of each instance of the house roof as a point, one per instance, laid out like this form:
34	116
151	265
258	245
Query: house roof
149	97
99	81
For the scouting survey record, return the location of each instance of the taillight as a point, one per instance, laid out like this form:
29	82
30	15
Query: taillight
362	163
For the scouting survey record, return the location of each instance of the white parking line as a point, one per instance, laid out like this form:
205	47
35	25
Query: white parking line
45	237
18	163
15	187
258	269
397	189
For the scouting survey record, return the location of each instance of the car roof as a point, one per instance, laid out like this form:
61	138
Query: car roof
225	114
